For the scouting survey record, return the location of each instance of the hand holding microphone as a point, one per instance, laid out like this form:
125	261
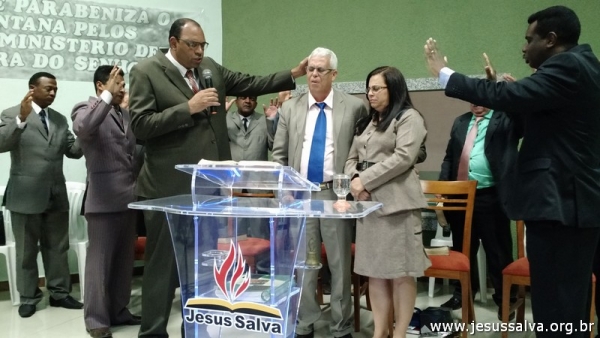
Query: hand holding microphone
206	98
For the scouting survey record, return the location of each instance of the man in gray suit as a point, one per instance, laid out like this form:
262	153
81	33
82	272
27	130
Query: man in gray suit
38	138
103	129
181	121
250	139
299	131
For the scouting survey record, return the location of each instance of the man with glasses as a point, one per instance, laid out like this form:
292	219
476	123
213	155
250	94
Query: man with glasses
181	121
310	127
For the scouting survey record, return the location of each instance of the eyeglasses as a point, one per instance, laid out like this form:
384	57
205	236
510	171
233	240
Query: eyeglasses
320	71
374	89
195	44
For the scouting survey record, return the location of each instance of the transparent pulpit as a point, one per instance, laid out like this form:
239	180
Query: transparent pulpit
221	295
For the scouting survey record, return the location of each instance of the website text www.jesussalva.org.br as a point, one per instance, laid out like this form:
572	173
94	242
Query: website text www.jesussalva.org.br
567	328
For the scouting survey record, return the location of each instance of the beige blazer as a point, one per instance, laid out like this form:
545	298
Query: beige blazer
287	146
392	180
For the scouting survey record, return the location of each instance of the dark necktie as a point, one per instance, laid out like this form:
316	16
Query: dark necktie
43	118
245	120
190	77
317	150
463	165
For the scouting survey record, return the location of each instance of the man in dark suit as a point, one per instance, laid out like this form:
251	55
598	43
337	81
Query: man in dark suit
104	132
557	176
38	138
170	105
489	157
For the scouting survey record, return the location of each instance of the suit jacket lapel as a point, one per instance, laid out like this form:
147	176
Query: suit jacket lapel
253	119
115	115
492	126
300	114
339	108
236	120
174	76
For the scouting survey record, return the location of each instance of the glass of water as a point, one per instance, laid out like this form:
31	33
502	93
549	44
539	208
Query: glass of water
341	186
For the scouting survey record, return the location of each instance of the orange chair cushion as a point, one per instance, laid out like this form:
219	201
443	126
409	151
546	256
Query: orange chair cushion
140	248
520	267
250	246
455	261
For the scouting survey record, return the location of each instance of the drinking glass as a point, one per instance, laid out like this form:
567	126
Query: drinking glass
341	186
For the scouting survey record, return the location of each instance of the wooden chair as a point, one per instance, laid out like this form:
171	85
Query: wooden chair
456	265
358	288
517	273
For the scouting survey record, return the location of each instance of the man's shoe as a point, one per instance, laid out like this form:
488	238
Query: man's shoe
103	332
309	335
26	310
453	303
135	320
511	315
68	303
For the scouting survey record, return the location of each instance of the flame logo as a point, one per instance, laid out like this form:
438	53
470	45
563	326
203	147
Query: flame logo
239	281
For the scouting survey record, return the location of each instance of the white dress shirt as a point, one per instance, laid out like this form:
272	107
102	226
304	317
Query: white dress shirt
311	121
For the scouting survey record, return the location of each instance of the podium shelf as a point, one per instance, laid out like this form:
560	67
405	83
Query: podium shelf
219	206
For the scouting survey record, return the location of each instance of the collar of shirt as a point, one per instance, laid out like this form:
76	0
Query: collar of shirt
328	100
182	70
242	117
487	115
37	109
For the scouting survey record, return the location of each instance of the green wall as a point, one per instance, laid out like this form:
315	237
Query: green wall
263	36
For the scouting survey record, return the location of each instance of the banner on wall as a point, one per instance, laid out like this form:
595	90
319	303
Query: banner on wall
72	38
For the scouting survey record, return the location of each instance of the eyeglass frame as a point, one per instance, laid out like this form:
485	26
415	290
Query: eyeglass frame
194	44
320	71
374	89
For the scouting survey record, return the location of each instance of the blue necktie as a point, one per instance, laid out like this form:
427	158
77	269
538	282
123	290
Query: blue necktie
317	149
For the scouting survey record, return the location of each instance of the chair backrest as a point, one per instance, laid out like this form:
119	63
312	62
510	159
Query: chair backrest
77	223
520	239
10	238
457	195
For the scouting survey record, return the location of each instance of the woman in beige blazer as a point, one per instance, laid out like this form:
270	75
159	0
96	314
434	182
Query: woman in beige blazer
381	164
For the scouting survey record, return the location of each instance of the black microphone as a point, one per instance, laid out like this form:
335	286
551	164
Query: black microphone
207	75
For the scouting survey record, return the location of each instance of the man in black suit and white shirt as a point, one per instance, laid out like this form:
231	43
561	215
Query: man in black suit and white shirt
557	176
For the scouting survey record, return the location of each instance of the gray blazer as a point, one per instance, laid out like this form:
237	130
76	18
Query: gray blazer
253	144
392	180
36	179
287	146
109	149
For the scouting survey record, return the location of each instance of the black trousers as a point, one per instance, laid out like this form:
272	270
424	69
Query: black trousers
560	264
491	226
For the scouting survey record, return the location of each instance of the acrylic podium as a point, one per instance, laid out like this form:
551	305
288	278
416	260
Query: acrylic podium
220	297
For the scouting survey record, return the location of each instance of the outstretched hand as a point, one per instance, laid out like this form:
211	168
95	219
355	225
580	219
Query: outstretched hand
228	103
115	83
435	60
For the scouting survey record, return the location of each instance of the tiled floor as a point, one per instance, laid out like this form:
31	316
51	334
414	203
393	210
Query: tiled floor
57	322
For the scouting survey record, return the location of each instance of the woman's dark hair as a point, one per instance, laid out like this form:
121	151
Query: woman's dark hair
399	100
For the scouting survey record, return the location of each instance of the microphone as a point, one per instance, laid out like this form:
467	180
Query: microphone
207	75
